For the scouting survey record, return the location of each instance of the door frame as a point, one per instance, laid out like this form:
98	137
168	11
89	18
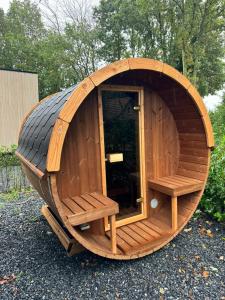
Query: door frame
140	91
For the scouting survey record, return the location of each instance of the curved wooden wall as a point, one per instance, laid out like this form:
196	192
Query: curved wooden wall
177	129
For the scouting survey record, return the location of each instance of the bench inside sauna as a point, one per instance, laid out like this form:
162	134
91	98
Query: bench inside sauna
121	159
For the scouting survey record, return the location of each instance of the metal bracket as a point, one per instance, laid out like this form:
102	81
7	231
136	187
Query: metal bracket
139	200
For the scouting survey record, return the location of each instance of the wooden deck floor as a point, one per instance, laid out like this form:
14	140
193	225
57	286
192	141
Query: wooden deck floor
132	237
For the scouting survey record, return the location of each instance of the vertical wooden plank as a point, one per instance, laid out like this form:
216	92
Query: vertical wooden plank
102	143
102	149
143	182
113	233
174	213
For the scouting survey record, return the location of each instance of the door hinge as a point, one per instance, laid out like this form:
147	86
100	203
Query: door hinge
139	200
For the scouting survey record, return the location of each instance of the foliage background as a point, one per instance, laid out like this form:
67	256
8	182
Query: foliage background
65	40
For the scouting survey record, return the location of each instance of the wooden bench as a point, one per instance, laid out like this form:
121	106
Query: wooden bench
90	207
175	186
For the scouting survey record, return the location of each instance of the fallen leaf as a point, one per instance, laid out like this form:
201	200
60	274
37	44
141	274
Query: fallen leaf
221	257
187	229
161	290
208	222
181	270
209	233
197	257
7	279
205	274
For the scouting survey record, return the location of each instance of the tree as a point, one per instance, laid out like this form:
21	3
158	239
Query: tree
23	31
188	34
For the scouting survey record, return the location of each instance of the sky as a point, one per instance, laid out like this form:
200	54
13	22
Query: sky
211	101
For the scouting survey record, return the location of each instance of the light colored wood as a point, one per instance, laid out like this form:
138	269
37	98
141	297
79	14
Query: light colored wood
174	212
114	157
174	187
108	71
75	100
173	73
90	215
55	145
83	209
102	144
35	170
142	160
145	64
113	233
18	94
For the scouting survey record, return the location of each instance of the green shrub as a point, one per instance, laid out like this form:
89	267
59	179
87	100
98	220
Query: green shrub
8	157
213	200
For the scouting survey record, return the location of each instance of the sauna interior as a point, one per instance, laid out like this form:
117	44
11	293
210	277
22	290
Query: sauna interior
135	154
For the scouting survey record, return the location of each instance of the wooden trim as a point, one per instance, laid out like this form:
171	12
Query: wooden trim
140	91
56	145
75	100
174	213
102	150
129	220
108	71
123	88
142	153
35	170
113	232
102	143
86	86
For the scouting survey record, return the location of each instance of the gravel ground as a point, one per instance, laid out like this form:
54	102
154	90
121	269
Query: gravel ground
33	264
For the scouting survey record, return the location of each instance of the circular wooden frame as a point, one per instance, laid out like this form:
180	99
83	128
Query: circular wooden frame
88	84
46	183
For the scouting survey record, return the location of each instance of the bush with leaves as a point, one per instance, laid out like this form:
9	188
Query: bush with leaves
8	157
213	201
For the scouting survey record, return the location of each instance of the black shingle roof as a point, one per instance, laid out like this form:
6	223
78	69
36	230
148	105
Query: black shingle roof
36	132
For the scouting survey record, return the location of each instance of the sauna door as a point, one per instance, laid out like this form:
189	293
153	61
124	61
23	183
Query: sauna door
122	143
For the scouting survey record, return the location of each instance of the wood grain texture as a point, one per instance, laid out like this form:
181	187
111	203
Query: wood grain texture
108	71
80	170
176	146
55	145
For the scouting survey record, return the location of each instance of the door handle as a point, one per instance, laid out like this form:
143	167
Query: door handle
114	157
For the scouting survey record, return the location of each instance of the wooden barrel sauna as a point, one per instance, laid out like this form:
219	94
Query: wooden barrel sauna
122	158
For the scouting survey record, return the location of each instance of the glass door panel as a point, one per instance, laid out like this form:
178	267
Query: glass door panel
122	150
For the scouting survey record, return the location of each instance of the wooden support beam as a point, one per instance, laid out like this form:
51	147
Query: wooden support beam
174	212
113	232
70	244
